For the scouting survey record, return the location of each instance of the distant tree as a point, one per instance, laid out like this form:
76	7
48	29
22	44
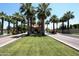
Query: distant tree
54	20
68	15
62	19
76	26
47	23
71	26
2	17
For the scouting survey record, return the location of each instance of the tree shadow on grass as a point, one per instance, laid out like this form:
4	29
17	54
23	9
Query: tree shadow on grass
37	35
25	35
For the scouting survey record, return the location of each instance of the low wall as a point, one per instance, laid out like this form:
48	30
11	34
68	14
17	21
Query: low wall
71	30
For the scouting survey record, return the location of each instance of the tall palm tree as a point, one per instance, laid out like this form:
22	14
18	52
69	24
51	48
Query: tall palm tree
53	19
47	23
68	15
2	17
63	19
28	10
43	13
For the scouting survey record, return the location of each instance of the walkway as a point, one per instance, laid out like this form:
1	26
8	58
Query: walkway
4	40
70	41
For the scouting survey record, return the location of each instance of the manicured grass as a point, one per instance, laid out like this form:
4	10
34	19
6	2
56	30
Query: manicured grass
37	45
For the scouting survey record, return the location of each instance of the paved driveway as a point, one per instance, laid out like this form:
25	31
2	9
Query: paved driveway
71	41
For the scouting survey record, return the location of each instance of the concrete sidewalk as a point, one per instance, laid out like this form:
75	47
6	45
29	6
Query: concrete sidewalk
4	40
70	41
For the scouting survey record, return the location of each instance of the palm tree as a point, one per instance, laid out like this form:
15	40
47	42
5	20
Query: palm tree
29	12
68	15
23	22
8	19
43	13
63	19
57	21
53	19
14	25
47	22
18	18
2	17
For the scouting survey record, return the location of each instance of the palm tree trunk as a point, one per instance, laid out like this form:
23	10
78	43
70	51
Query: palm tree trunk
21	26
2	26
14	26
57	26
28	33
42	27
62	27
68	26
24	26
13	32
47	26
31	25
8	27
17	27
53	27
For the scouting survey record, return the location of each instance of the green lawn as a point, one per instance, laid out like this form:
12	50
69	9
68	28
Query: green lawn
37	45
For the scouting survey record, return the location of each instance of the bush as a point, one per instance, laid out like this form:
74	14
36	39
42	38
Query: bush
48	30
53	31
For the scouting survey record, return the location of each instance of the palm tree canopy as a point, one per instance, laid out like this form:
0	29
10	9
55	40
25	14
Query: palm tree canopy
18	17
69	15
12	20
54	19
43	10
27	9
63	19
47	22
2	15
39	22
7	18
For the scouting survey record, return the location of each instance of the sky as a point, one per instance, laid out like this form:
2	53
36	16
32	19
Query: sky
57	9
